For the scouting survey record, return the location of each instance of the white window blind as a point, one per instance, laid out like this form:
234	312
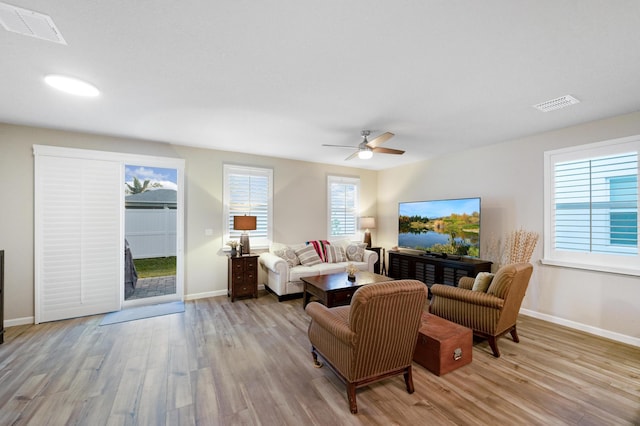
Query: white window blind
343	196
248	191
588	193
78	237
591	205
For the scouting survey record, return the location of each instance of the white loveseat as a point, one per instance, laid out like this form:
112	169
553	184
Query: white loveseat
284	277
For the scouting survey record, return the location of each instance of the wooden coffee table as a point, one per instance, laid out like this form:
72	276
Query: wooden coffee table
335	289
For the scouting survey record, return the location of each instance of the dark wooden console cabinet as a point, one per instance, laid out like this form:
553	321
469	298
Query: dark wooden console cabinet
434	270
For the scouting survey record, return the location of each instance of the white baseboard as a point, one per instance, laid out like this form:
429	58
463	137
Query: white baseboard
19	321
204	295
633	341
212	294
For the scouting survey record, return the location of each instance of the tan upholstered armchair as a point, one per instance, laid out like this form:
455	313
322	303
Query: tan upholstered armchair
491	314
371	339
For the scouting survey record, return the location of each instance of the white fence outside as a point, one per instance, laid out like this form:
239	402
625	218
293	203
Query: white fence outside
151	232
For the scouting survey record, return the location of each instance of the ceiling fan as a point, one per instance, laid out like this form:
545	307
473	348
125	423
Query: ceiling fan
366	148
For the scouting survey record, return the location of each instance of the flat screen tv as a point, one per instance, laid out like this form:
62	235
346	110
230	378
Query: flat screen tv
449	227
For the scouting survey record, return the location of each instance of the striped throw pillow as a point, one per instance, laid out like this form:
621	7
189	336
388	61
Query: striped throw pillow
321	248
308	256
335	254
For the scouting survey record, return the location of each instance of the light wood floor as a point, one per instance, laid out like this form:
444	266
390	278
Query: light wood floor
248	362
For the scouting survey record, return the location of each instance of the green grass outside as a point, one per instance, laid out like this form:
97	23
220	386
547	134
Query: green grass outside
155	267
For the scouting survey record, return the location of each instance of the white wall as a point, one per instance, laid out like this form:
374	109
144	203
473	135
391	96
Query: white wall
299	198
509	178
299	208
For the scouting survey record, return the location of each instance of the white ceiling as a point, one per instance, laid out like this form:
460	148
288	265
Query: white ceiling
283	77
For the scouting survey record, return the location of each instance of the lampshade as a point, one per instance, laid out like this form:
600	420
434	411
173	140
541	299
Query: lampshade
244	223
368	222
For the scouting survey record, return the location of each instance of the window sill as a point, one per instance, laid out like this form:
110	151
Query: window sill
597	268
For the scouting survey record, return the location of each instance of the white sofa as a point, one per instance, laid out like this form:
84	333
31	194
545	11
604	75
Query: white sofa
285	281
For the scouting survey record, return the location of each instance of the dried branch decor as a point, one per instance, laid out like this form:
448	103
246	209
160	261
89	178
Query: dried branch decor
519	246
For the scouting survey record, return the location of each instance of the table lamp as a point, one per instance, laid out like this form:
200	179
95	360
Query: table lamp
244	223
367	223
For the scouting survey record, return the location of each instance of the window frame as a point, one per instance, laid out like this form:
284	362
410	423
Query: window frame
346	180
228	232
628	264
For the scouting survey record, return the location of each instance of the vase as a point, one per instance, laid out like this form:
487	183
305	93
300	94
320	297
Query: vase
351	277
234	252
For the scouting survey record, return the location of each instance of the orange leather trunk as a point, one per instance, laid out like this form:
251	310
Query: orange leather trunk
443	345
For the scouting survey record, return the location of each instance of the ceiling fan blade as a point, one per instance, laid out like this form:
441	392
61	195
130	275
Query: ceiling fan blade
379	140
388	151
355	154
341	146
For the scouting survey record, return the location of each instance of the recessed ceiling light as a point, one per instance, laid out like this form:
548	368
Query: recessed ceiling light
71	85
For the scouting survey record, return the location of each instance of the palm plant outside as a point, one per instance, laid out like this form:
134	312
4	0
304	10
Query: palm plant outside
138	188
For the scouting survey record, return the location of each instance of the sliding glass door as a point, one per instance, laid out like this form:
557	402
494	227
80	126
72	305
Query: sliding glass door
83	258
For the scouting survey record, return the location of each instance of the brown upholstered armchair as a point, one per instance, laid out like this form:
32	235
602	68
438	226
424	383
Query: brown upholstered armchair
373	338
491	314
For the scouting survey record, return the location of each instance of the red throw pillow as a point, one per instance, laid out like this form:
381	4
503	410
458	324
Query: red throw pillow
320	247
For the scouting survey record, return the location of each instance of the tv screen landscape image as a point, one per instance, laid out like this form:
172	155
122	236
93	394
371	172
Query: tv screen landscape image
441	226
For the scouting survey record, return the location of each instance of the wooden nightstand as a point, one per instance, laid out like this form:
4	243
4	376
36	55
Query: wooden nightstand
242	280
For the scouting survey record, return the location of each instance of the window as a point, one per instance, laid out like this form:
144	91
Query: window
248	191
591	206
343	196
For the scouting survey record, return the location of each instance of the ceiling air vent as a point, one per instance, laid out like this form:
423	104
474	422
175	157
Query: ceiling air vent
29	23
557	103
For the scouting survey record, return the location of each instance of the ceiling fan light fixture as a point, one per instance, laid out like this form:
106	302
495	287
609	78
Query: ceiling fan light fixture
365	149
365	154
71	85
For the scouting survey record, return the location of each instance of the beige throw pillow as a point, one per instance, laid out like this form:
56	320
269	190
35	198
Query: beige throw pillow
482	282
355	252
289	255
308	256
